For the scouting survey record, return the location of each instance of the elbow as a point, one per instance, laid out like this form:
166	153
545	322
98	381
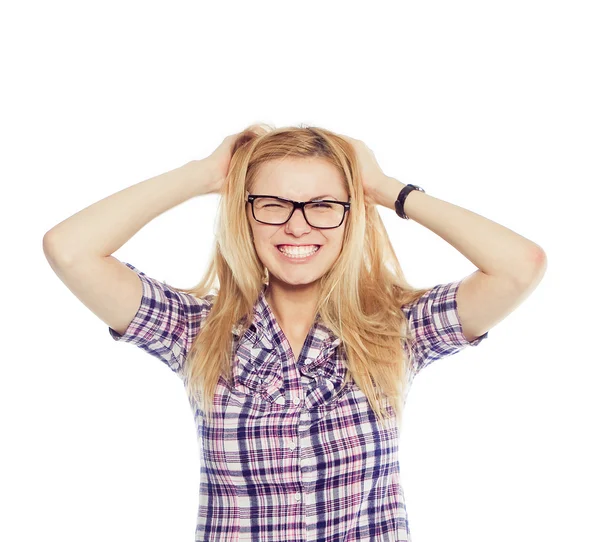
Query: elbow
53	250
537	269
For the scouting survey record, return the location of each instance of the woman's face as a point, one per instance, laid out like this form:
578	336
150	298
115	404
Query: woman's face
299	180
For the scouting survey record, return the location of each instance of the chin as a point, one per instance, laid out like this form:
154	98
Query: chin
294	278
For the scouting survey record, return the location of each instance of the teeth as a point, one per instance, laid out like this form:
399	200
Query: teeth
298	251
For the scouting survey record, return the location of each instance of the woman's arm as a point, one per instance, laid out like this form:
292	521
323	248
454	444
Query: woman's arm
494	249
79	251
105	226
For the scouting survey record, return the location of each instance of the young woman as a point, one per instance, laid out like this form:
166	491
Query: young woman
299	345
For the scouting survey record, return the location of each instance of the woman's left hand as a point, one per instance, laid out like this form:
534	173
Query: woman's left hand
373	178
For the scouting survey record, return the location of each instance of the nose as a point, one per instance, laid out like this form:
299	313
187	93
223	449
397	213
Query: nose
296	223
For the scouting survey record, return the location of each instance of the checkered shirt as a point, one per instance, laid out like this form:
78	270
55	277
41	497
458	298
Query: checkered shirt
292	455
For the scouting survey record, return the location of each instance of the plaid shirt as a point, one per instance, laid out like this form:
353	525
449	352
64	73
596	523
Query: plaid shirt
293	455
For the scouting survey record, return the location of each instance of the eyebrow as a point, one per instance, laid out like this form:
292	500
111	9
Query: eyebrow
323	196
329	196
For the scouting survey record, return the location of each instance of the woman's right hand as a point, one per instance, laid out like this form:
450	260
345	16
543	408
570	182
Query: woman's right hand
219	161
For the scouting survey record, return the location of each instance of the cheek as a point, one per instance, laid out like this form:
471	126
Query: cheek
337	242
339	246
263	246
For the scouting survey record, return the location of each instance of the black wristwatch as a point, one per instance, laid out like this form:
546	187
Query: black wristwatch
399	204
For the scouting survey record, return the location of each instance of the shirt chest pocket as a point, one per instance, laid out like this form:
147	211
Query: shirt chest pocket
257	369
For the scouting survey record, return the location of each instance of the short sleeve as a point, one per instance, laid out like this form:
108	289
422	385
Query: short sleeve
166	322
434	321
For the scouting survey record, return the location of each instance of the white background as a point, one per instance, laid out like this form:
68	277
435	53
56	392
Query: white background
492	106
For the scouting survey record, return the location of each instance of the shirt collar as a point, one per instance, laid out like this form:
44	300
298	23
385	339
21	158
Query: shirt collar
263	322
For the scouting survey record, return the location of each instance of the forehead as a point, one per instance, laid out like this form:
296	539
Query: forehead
300	178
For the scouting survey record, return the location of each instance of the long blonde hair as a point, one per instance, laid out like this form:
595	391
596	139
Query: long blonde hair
360	297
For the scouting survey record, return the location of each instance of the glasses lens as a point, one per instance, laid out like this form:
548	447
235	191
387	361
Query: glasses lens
319	214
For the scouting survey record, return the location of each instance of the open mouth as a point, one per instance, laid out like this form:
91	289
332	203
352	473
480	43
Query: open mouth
298	254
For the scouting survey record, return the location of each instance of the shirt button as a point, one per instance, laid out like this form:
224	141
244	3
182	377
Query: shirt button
297	496
292	444
296	400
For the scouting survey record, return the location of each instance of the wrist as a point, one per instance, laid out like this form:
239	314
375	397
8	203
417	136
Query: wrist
387	192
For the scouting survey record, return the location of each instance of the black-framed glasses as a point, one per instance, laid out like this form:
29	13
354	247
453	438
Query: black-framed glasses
323	214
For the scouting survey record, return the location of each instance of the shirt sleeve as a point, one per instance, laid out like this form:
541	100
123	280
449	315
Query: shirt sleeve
166	322
434	321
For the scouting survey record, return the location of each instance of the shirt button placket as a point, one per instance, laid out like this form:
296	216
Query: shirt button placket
292	446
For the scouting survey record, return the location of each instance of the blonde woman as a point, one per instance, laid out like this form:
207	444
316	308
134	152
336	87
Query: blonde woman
298	346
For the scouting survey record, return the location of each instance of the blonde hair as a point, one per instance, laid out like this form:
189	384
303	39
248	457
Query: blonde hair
360	297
